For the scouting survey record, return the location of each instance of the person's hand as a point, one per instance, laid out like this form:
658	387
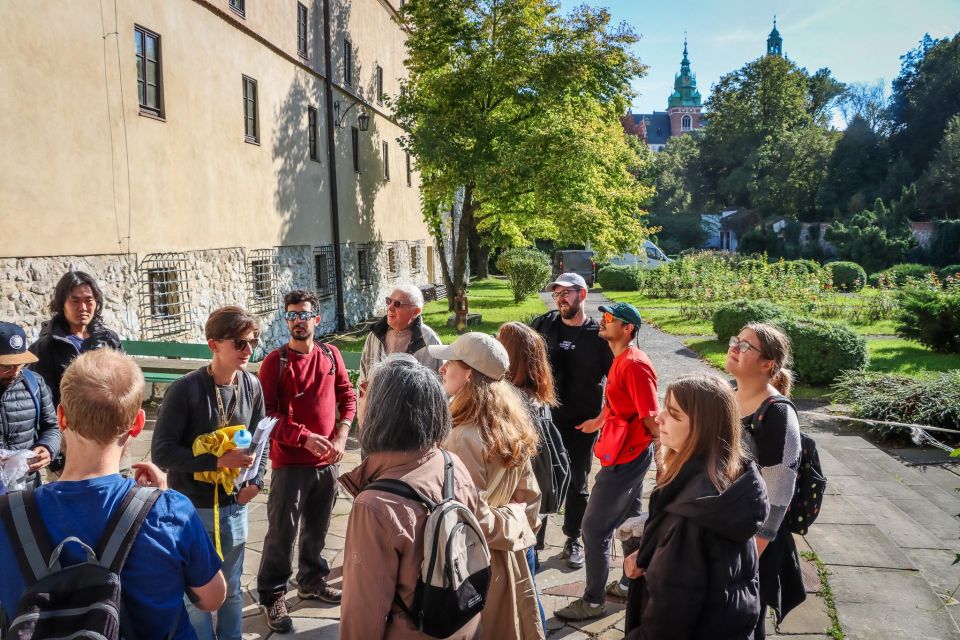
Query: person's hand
148	474
235	459
318	446
247	494
630	568
337	447
589	426
41	460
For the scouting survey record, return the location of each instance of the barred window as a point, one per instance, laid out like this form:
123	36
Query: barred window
324	270
364	268
312	132
262	280
415	260
393	263
164	283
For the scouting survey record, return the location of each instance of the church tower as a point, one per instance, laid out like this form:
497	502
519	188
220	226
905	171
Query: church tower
774	41
684	104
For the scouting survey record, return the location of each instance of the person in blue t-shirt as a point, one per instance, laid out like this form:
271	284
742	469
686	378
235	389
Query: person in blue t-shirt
101	393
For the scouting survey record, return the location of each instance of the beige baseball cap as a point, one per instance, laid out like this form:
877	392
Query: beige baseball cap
478	351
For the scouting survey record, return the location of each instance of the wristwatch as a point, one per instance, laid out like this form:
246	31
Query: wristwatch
256	482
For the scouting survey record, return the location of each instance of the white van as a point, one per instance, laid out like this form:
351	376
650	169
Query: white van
651	258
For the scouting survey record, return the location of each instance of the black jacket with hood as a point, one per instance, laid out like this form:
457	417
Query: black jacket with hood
55	351
700	559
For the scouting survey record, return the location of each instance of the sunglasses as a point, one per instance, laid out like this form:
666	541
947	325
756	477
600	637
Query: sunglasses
566	293
397	303
293	316
240	345
609	317
7	368
742	345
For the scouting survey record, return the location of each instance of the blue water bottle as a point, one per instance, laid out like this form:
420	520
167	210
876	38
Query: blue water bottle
242	439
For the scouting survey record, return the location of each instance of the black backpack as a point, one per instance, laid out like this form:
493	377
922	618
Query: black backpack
551	464
811	483
455	575
82	600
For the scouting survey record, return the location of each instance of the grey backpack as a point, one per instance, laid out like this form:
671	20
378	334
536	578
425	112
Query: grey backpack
81	600
455	574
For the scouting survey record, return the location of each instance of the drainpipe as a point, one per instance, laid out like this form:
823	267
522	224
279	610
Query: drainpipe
332	164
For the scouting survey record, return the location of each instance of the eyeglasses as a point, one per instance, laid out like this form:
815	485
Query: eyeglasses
397	303
566	293
240	345
7	368
293	316
742	345
609	317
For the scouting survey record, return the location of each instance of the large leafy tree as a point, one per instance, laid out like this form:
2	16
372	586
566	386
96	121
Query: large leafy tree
879	237
925	96
513	109
856	171
766	144
940	185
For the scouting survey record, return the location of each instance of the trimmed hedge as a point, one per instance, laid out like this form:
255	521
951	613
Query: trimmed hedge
899	274
751	264
617	278
804	266
528	270
931	317
823	350
730	317
847	276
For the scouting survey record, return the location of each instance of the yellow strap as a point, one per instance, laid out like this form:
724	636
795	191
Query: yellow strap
216	519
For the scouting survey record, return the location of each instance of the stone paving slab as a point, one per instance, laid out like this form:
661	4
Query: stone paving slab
856	545
838	509
903	530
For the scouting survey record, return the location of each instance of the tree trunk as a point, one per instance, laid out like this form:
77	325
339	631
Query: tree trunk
461	250
479	256
444	264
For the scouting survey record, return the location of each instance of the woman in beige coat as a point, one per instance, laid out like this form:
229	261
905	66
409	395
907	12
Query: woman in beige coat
494	437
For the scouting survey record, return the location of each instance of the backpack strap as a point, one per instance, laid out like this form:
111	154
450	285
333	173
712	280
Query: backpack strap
124	524
33	388
24	523
761	411
447	475
402	489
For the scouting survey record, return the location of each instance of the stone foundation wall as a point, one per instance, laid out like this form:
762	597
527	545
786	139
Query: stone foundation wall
215	277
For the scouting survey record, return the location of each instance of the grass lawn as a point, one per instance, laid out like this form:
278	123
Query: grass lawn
491	298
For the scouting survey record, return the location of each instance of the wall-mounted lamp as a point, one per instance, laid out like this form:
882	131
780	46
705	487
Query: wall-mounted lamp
363	120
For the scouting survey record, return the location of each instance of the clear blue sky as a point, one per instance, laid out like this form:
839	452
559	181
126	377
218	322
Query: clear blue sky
859	40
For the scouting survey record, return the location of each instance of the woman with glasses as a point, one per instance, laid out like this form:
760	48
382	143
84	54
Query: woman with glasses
758	358
495	438
220	394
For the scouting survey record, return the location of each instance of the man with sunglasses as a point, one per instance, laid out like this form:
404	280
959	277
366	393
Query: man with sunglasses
625	451
580	360
307	388
401	330
216	395
27	414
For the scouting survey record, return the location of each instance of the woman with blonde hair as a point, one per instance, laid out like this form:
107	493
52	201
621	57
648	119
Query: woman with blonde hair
759	358
495	438
695	574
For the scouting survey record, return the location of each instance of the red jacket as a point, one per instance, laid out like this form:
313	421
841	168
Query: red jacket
313	389
630	397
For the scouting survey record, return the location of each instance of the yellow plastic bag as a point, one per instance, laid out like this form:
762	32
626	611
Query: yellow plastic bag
217	443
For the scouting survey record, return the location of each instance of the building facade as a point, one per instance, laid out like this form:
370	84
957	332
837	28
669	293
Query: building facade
683	114
195	153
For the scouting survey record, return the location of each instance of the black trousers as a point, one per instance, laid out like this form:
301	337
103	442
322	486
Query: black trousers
301	498
579	447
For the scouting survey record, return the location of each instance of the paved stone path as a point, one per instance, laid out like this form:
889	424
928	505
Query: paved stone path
887	534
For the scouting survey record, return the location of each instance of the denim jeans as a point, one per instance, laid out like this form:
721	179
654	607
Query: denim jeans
532	561
233	537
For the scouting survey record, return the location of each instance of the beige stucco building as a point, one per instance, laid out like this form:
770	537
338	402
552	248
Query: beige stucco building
185	152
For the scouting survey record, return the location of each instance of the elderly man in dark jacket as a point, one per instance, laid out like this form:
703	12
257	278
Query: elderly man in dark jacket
28	419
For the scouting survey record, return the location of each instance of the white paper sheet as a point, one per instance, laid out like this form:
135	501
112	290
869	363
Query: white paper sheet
259	445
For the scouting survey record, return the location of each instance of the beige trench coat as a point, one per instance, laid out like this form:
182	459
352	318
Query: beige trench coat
509	514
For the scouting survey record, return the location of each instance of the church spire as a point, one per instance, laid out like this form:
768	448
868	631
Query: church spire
685	92
774	41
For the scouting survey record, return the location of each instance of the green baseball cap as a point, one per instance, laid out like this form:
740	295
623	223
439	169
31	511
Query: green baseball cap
623	311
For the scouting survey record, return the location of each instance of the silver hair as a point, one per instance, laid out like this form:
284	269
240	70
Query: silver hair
413	294
406	407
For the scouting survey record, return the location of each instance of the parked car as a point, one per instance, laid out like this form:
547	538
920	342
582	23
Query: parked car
579	261
651	258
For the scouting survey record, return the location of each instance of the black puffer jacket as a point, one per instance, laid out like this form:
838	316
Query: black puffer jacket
700	560
18	424
55	351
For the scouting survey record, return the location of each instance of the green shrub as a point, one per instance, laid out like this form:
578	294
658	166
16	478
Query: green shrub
616	278
803	266
900	274
932	400
751	264
949	271
527	269
823	350
847	276
730	317
931	317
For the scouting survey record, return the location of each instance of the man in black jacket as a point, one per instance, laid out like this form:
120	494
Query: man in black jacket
580	360
28	419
